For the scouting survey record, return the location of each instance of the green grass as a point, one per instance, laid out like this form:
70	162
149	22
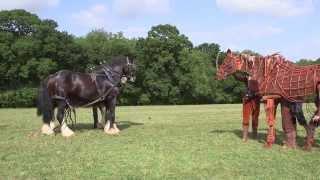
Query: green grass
156	142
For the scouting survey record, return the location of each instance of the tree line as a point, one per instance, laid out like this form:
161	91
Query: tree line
170	69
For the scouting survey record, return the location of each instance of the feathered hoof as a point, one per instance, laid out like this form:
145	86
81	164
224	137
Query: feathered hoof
45	129
244	140
112	131
116	128
53	125
67	132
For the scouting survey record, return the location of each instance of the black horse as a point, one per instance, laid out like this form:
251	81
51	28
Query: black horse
100	122
66	90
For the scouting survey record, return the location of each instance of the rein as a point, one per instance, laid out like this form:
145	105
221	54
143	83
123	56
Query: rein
109	73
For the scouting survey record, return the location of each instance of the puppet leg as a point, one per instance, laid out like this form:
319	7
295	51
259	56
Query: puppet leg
246	111
255	116
270	112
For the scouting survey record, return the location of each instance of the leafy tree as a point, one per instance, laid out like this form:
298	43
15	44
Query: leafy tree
31	48
250	52
170	69
158	57
304	62
99	46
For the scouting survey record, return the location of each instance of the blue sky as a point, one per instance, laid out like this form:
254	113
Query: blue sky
291	27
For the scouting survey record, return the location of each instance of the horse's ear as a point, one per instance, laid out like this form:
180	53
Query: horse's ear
229	53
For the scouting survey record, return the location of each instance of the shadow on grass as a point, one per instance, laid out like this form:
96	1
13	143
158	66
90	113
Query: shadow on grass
122	125
127	124
4	126
261	138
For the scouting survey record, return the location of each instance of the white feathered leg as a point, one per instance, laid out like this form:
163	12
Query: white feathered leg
46	129
65	130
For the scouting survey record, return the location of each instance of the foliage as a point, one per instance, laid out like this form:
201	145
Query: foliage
170	69
303	62
31	49
99	46
24	97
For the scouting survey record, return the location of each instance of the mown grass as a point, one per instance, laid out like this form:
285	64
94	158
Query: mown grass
156	142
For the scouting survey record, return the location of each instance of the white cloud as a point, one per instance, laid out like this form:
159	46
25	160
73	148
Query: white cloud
237	33
133	8
268	7
93	17
239	37
30	5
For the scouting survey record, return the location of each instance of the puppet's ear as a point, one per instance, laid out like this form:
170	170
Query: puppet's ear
229	53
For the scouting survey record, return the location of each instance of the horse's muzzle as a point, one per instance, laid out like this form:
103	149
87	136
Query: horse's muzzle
123	80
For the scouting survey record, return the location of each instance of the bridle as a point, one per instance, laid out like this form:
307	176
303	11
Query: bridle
110	73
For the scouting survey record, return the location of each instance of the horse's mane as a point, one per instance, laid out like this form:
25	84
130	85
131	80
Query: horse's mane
114	61
279	59
275	58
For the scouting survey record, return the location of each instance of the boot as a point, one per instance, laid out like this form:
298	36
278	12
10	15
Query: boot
245	130
308	144
310	137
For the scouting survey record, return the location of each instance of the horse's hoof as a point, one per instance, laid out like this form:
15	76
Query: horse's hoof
111	131
66	132
114	132
244	140
53	125
116	128
45	129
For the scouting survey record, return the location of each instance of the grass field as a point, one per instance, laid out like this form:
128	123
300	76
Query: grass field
156	142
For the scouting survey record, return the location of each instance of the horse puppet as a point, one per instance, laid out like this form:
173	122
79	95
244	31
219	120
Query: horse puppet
67	90
275	80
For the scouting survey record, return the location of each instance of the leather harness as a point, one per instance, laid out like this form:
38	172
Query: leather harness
108	73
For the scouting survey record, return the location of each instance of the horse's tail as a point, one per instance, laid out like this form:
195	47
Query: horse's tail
44	103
